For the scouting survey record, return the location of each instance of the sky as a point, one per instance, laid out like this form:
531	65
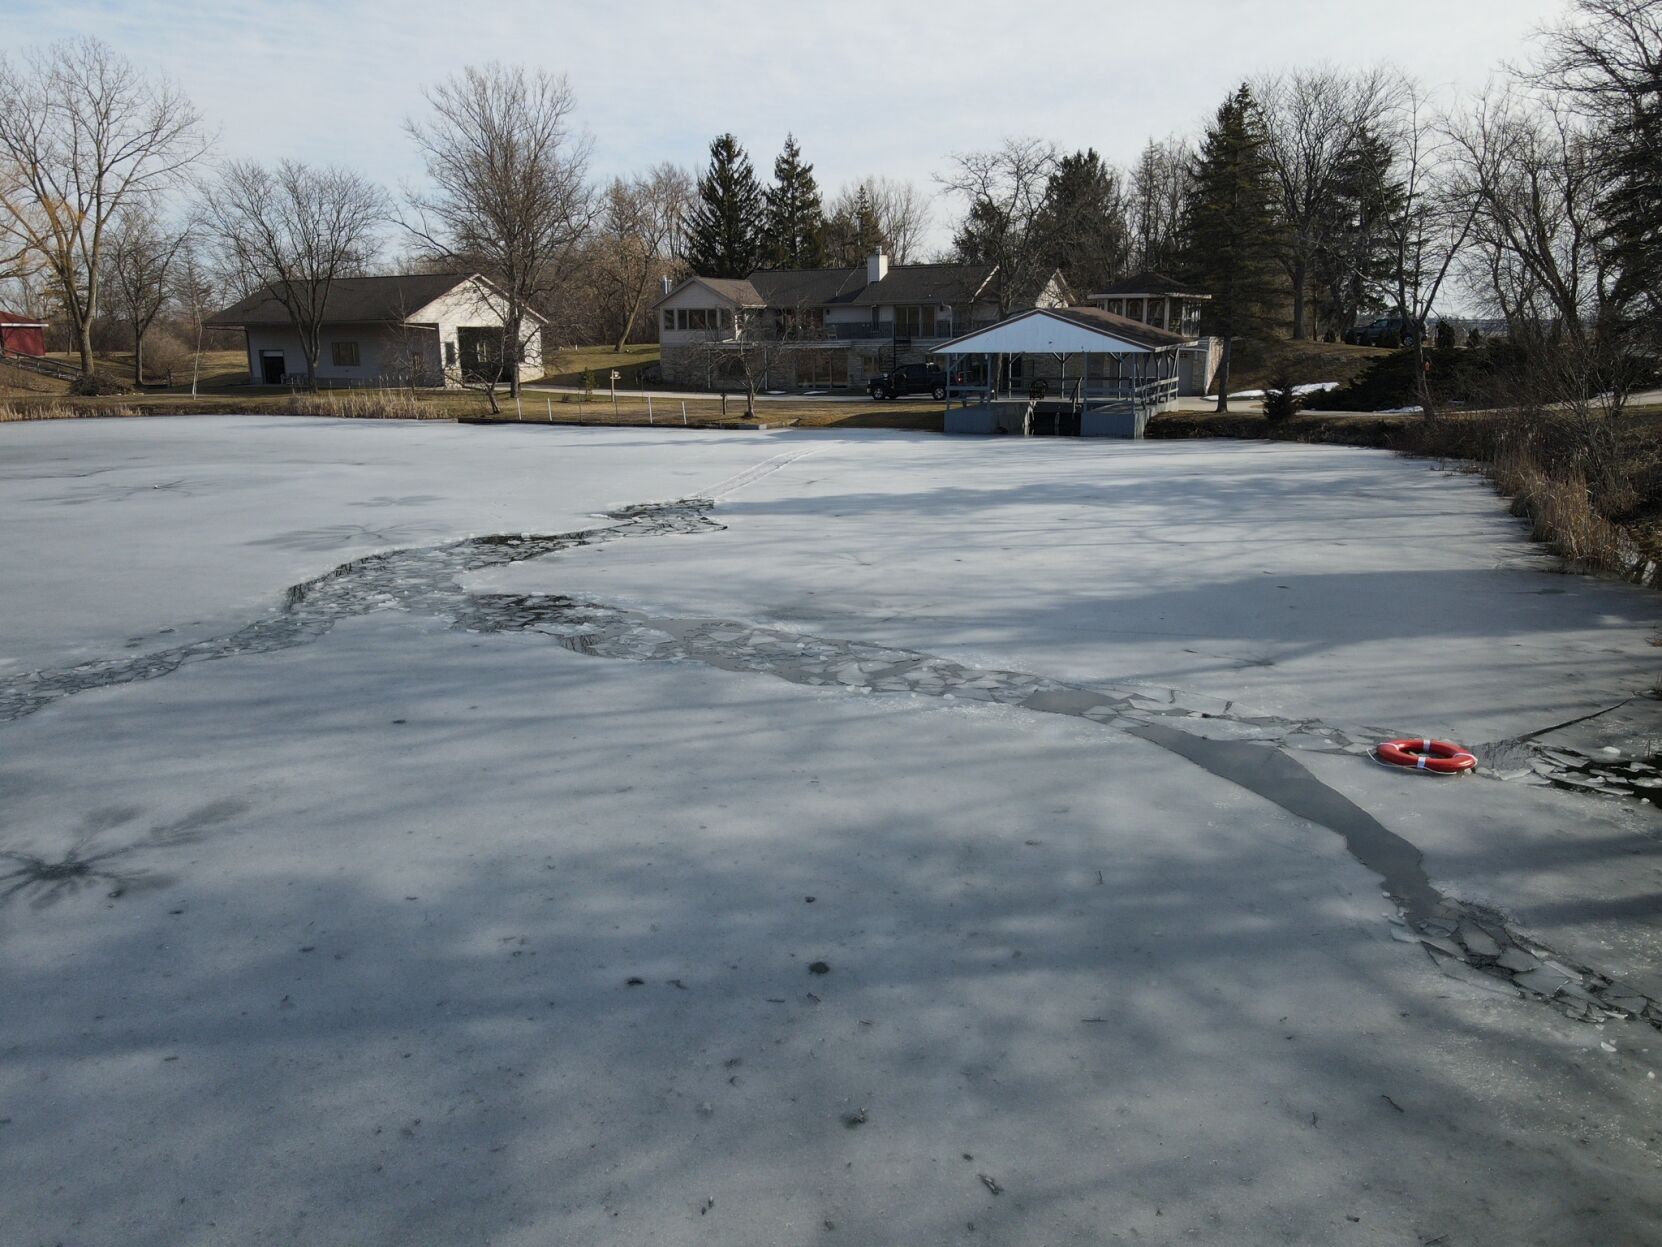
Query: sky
884	88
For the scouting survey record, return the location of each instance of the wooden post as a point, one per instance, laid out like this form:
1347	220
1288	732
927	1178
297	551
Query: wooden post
550	409
683	413
648	398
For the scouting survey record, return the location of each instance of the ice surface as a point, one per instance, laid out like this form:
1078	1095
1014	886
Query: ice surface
333	944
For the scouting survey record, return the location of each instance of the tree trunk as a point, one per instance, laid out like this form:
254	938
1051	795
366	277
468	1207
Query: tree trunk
1223	374
138	357
630	319
1299	282
1422	380
511	353
750	400
83	344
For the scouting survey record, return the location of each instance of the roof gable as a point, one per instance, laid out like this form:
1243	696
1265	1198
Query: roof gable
391	299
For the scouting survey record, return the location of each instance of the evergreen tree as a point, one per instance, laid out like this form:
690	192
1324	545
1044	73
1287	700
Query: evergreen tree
853	231
793	235
724	228
1358	256
980	237
1632	162
1082	225
1229	228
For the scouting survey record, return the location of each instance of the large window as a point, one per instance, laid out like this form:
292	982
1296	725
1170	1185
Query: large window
345	354
917	321
698	319
819	368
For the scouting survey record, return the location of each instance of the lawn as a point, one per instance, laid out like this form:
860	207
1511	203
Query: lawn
566	367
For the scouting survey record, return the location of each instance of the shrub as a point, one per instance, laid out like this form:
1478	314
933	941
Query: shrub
1281	400
1445	336
166	353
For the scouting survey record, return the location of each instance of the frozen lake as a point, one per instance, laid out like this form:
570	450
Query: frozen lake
423	834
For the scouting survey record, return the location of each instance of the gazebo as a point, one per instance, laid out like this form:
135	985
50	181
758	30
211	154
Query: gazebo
1076	371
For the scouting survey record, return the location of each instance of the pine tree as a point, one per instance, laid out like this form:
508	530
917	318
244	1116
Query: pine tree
1083	222
724	228
1357	256
793	235
1632	163
1229	233
853	232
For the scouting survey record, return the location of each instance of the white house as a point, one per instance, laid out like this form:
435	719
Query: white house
409	329
832	327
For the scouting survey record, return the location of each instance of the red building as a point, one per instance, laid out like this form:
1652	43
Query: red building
21	336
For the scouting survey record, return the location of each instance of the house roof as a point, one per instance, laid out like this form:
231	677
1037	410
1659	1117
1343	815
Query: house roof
21	322
1149	283
847	287
1064	330
353	300
737	289
926	283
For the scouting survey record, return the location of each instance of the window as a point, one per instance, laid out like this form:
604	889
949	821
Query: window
819	368
345	354
669	318
449	354
914	322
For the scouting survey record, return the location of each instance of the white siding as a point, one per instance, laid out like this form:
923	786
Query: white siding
385	353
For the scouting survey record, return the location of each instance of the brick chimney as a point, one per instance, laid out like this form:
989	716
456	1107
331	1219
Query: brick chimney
877	267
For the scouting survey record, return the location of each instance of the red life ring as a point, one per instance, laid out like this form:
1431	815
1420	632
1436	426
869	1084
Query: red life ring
1437	756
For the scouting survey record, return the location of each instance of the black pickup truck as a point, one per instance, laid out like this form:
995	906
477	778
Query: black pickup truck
910	379
1386	331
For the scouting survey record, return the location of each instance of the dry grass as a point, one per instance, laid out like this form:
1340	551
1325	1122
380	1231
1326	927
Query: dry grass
535	407
365	405
11	413
1561	513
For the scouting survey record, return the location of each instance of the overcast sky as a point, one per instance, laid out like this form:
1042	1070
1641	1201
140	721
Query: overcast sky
868	88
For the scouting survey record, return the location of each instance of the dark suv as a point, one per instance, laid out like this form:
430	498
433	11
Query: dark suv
911	379
1386	331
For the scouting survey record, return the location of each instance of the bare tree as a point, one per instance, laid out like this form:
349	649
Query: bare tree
639	236
1431	226
1605	56
874	212
84	135
510	199
752	347
294	231
1532	169
1315	123
1004	194
902	210
142	257
194	292
1158	192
